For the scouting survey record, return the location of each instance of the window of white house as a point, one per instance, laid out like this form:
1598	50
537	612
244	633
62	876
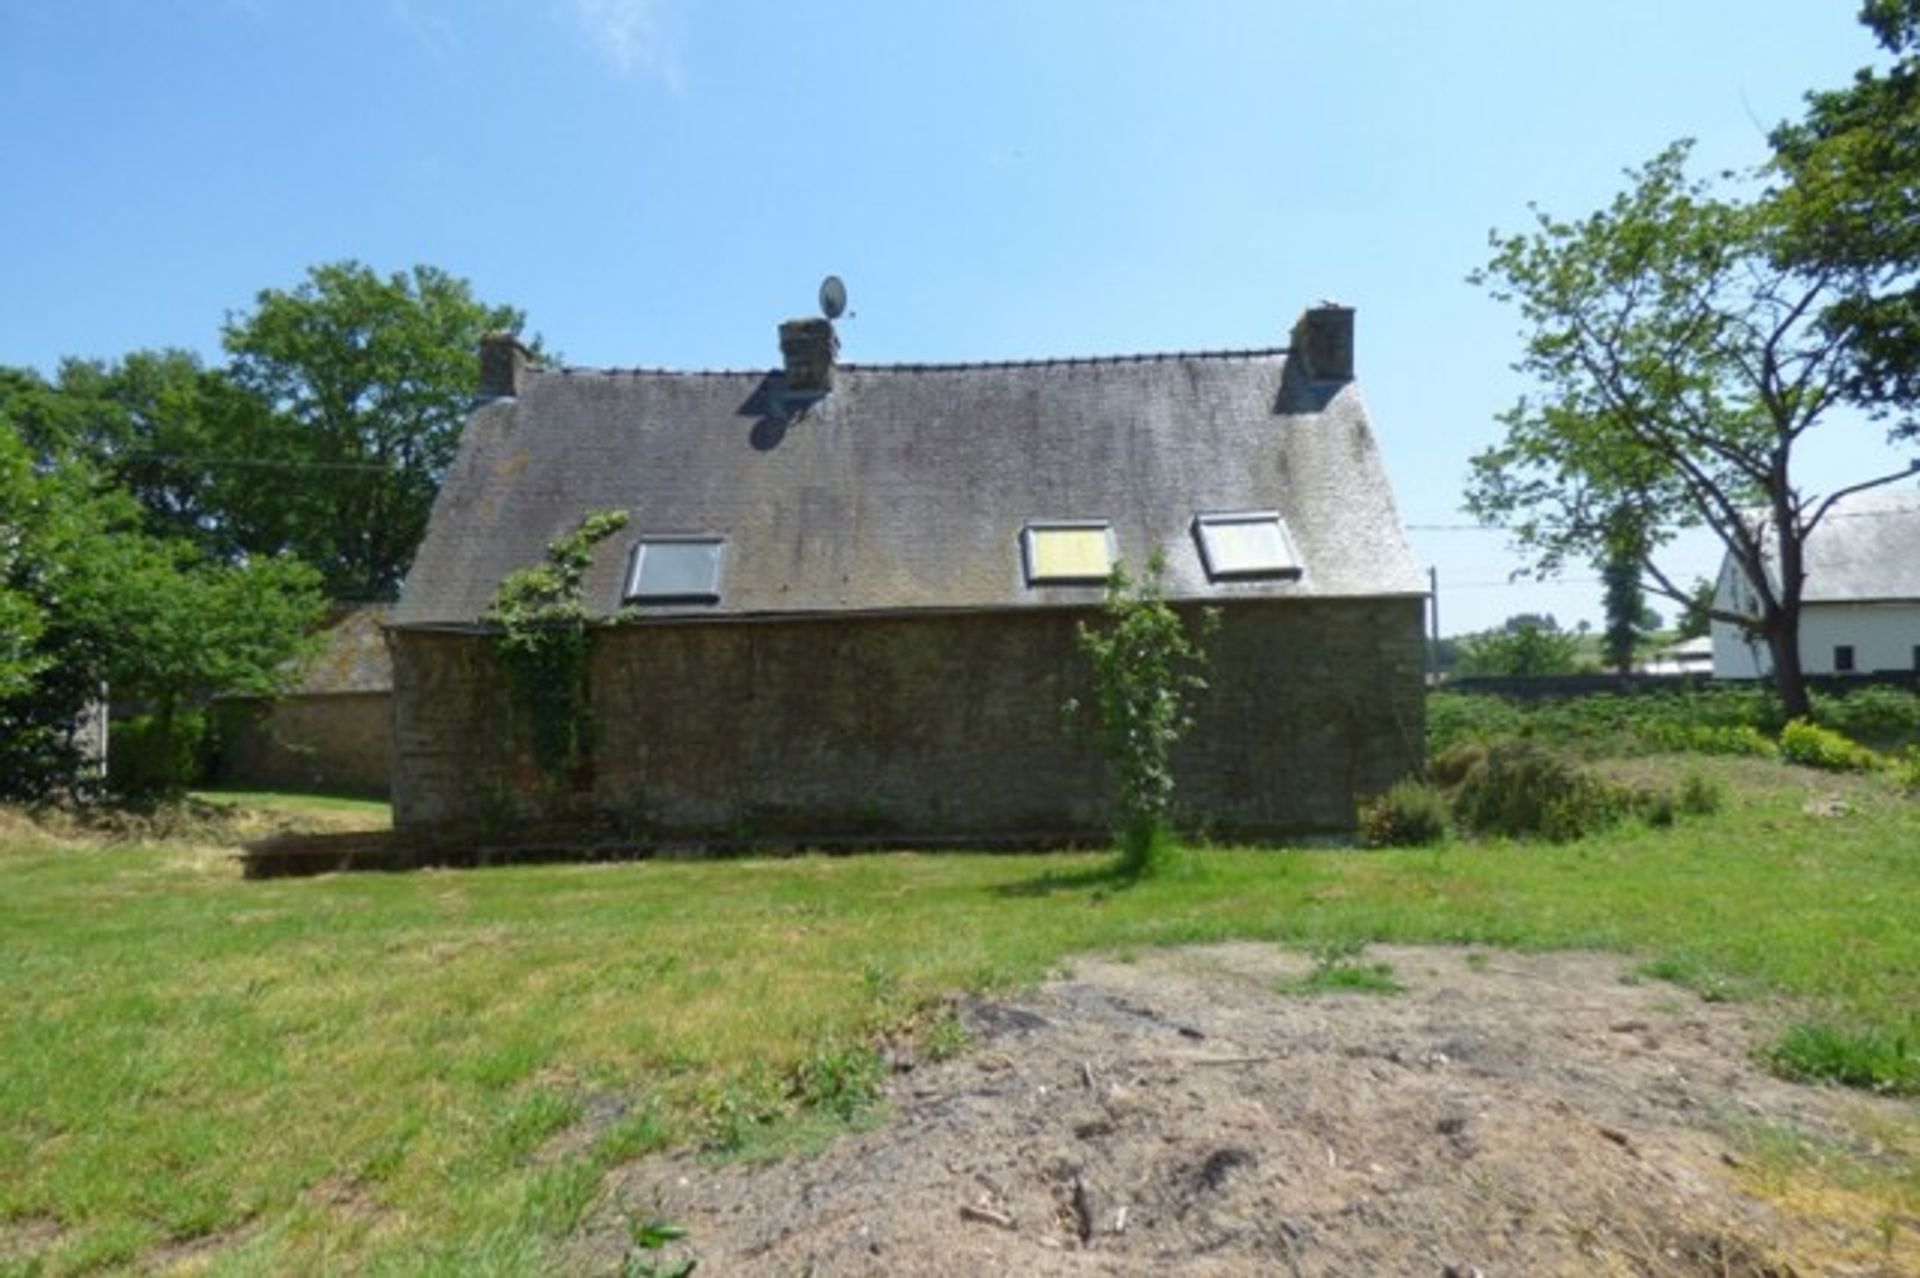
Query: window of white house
1067	552
1245	545
676	570
1843	657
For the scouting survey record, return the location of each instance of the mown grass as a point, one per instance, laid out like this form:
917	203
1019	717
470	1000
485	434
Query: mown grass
373	813
430	1073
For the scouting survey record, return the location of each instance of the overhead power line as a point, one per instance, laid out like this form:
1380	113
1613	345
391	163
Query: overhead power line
257	463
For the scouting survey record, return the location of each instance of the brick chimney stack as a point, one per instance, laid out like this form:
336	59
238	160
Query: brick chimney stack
1323	343
808	347
503	365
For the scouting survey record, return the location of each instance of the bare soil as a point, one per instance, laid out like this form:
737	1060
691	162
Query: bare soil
1180	1113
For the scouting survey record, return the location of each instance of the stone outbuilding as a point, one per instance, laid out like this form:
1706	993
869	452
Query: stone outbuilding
331	733
850	593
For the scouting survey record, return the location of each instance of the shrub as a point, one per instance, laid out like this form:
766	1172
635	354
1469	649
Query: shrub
1813	746
1657	807
1701	795
1881	716
1451	766
1410	814
1728	739
1735	721
148	755
1456	717
1906	771
1522	791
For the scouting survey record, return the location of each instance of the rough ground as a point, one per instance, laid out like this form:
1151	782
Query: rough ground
1507	1114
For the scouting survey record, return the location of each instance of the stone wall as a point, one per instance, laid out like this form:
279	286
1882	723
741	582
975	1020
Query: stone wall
910	728
332	743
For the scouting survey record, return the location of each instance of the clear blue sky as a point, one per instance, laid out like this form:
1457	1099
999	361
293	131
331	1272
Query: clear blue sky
658	182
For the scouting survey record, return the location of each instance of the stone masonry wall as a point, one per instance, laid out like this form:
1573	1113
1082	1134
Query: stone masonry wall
336	743
912	727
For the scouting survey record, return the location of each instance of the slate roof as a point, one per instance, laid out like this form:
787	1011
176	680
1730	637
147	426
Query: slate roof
906	487
354	657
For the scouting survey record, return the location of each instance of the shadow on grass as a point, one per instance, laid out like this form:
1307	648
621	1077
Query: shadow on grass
1112	877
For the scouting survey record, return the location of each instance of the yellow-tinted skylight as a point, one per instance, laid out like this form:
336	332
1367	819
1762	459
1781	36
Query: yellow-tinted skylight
1065	553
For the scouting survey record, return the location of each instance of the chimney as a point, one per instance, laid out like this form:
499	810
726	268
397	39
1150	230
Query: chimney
808	347
1323	342
503	365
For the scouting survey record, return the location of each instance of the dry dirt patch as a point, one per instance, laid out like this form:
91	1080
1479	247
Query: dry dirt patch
1506	1114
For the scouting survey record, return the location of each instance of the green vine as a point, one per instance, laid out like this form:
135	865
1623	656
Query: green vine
541	641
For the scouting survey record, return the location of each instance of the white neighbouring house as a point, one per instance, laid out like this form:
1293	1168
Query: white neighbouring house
1860	611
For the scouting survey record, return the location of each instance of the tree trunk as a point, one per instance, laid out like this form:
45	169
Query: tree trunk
1783	642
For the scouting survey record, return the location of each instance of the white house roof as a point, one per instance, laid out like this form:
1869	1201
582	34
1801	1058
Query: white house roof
1866	549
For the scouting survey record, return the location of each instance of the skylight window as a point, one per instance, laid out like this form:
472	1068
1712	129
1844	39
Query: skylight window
1067	553
676	570
1246	545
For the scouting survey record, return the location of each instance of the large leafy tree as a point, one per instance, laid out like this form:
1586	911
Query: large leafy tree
1848	187
372	375
1680	360
203	457
1522	650
90	601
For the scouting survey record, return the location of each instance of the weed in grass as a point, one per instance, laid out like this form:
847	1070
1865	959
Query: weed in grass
1337	970
1872	1059
1701	795
631	1136
1711	986
1657	807
734	1112
945	1038
1349	978
558	1198
650	1239
527	1122
1477	961
842	1082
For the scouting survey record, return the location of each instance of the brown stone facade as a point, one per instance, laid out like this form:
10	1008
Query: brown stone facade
919	728
329	743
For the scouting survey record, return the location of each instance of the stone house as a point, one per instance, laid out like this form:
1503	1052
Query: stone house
1860	607
856	587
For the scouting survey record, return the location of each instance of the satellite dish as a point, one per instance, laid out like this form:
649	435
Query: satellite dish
833	297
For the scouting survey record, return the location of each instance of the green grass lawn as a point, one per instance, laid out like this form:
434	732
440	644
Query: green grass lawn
374	812
388	1073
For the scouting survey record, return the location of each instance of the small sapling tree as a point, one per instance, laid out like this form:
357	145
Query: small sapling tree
1146	670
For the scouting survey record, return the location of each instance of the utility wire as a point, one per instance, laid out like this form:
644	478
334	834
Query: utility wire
259	463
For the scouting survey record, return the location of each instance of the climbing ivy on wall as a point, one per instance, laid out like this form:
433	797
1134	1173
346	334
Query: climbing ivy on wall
540	638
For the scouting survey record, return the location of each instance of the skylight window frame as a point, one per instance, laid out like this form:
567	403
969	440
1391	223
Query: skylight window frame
1029	559
1206	521
636	558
